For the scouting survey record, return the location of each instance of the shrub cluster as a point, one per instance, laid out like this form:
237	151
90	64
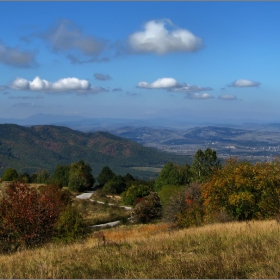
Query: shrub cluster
30	216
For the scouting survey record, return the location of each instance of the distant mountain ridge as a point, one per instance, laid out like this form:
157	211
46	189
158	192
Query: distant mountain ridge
41	147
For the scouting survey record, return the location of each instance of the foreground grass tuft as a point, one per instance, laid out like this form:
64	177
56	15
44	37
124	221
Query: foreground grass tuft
232	250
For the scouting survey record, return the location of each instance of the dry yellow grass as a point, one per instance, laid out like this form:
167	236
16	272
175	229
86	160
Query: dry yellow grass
232	250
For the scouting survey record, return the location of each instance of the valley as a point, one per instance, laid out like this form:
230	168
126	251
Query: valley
255	144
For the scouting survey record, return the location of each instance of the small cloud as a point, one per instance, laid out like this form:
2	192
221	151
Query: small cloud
227	97
5	92
77	60
117	89
16	57
189	88
132	93
61	86
157	37
26	97
199	96
149	113
3	88
65	35
244	83
102	77
162	83
27	105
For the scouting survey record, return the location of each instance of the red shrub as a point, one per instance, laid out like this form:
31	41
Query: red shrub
28	216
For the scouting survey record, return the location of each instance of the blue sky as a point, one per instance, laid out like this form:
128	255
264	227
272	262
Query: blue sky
193	61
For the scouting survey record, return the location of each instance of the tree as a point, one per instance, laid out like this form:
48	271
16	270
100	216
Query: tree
204	164
80	177
105	175
10	174
243	190
43	177
173	174
24	177
61	175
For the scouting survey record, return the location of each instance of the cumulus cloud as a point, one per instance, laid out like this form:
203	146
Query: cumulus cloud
227	97
244	83
64	35
199	96
157	38
16	57
163	83
63	85
189	88
102	77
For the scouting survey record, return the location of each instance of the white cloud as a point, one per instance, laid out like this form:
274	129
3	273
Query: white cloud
244	83
157	38
16	57
62	85
199	96
227	97
164	83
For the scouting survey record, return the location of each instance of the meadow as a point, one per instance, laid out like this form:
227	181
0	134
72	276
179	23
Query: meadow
225	250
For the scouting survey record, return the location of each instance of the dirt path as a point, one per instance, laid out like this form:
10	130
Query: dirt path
87	195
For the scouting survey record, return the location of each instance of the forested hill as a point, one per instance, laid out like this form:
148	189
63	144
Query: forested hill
32	149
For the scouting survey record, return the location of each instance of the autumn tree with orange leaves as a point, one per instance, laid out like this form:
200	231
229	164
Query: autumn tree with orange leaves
243	190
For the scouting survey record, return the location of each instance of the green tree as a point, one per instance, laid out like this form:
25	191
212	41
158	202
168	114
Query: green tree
173	174
10	174
43	177
24	177
134	192
80	177
61	175
105	175
115	186
204	164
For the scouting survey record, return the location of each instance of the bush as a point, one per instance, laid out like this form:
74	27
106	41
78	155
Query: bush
134	192
148	209
185	207
28	216
70	226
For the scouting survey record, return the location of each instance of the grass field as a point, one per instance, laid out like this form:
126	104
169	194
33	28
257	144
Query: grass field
230	250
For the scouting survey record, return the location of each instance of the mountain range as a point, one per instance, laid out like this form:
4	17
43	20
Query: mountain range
35	148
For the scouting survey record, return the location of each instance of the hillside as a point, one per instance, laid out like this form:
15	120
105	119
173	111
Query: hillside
31	149
153	251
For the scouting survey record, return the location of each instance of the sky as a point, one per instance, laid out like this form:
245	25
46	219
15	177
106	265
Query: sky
191	61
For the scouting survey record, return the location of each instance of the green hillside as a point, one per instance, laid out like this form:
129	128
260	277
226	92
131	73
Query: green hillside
31	149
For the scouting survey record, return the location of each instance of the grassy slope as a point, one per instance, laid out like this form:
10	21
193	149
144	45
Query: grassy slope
233	250
43	147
